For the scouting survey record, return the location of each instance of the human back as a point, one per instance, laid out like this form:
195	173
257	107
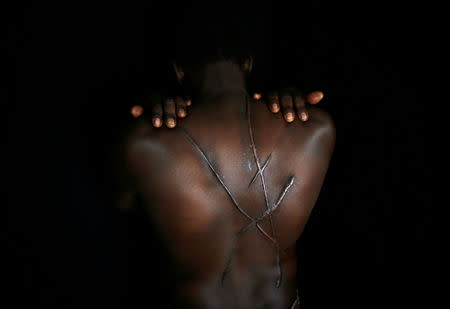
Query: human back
227	246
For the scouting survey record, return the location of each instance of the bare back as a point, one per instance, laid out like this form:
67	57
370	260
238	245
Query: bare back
229	197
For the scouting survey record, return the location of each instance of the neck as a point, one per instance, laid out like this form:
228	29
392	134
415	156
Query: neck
222	79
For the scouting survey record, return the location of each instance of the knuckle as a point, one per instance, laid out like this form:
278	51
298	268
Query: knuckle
299	101
297	92
274	102
273	96
286	97
169	104
179	101
285	93
157	109
287	101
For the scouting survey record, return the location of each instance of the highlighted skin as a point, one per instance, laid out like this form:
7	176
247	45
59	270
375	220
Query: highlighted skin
253	221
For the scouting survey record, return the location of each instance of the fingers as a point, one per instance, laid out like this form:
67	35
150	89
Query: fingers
180	104
273	102
300	107
292	102
169	113
188	101
157	112
287	104
165	110
314	97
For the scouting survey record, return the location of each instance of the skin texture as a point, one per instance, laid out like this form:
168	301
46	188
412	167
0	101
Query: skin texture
227	196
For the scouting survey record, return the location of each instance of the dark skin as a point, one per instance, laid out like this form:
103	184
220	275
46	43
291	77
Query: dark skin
290	101
229	235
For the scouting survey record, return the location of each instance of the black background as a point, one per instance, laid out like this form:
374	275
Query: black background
79	67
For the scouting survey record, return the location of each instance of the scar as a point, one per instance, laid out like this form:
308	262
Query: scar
262	217
202	154
233	199
262	170
280	199
233	249
253	221
263	183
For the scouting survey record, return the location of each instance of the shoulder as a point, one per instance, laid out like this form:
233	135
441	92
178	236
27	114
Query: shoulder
318	132
139	145
322	122
135	136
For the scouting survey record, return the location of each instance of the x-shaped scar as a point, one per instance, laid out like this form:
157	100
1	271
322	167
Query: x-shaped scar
269	209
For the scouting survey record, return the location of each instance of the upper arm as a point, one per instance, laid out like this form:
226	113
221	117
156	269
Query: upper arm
316	149
125	191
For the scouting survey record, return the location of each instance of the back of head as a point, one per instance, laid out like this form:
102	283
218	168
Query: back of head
210	33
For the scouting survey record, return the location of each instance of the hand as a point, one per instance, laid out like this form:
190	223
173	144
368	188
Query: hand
292	103
164	110
167	110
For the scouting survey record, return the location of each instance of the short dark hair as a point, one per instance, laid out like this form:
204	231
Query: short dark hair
217	32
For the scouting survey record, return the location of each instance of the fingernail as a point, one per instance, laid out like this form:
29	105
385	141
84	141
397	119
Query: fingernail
171	122
275	107
304	116
317	97
137	111
181	113
289	117
156	122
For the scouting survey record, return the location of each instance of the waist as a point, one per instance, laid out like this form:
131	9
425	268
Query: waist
237	293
